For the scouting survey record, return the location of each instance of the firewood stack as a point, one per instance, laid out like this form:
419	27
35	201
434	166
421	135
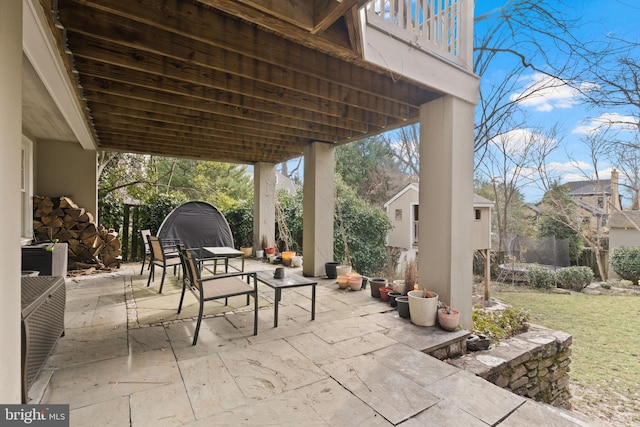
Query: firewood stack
90	245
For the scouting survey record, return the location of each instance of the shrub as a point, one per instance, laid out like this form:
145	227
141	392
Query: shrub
499	325
574	278
540	277
626	262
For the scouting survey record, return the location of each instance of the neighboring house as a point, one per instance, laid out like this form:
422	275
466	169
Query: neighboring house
285	183
623	231
596	201
402	210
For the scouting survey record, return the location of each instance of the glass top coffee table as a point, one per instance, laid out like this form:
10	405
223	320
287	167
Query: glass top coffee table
289	281
224	253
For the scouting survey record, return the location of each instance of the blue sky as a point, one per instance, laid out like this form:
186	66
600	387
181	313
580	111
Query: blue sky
561	105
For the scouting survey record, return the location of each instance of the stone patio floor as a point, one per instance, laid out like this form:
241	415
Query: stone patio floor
357	364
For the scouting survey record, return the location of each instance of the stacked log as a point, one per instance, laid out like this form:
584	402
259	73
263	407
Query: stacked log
90	245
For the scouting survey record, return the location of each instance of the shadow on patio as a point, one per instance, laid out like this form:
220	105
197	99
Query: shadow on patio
127	360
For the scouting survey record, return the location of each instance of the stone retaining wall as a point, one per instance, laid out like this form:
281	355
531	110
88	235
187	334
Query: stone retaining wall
534	364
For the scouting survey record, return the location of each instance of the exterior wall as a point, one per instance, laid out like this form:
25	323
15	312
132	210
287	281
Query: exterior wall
621	237
10	146
66	169
401	235
482	229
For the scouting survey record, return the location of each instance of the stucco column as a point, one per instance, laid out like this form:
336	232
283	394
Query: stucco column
10	146
446	202
318	208
264	203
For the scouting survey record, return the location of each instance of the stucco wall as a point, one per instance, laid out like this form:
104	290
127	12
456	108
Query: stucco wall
400	235
66	169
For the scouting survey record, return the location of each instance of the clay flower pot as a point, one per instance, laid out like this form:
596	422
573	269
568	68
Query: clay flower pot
343	281
355	281
423	310
403	306
392	298
384	294
330	268
448	319
376	283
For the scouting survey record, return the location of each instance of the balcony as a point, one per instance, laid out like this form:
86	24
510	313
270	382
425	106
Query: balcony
439	27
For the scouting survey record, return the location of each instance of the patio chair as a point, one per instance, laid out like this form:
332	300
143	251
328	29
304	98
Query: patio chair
164	254
147	250
215	287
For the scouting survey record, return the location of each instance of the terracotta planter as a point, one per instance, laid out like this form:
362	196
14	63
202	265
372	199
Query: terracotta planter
448	321
343	281
355	282
270	251
423	310
384	294
376	283
247	251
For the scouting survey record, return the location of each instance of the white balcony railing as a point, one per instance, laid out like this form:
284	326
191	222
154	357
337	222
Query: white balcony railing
442	27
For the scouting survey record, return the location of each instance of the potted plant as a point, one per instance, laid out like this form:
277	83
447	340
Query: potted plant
423	304
448	318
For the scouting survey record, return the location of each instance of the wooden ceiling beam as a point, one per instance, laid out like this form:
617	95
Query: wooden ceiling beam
210	149
327	12
211	85
273	16
270	79
183	133
113	104
311	122
216	29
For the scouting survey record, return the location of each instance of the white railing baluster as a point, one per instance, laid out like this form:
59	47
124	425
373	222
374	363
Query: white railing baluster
444	27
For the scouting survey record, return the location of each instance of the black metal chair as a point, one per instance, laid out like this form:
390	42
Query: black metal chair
164	254
147	250
215	287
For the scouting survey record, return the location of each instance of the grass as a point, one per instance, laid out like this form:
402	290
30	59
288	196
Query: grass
605	361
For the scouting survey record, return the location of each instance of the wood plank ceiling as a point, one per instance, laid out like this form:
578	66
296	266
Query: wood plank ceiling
240	81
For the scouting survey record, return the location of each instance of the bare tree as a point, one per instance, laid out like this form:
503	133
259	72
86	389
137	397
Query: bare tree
511	161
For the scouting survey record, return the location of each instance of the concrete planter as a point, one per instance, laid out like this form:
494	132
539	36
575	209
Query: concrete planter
423	310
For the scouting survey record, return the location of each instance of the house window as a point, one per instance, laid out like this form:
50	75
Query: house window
478	214
600	202
26	189
398	214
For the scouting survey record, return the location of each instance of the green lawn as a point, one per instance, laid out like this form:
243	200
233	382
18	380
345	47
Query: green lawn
605	367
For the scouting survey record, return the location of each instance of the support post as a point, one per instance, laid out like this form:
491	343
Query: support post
446	202
264	204
10	217
318	207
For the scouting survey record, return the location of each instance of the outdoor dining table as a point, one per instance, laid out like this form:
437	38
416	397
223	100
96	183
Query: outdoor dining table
224	253
289	281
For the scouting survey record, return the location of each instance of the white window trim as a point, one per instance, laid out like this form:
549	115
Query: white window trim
26	229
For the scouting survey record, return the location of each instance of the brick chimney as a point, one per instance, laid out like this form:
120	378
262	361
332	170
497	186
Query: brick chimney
615	194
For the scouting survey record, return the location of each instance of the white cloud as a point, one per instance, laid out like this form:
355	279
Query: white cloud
607	121
516	141
546	93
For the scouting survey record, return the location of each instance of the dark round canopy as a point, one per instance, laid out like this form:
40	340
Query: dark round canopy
195	225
